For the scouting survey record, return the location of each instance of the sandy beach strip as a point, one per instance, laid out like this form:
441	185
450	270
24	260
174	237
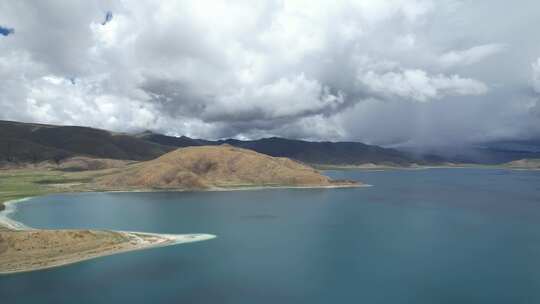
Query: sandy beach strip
23	248
64	247
6	222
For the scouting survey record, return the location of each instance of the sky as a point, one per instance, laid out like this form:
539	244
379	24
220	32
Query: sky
397	73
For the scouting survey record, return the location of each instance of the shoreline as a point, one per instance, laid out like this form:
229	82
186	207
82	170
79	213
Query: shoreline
124	241
131	240
9	223
9	206
225	189
135	241
385	168
3	205
6	204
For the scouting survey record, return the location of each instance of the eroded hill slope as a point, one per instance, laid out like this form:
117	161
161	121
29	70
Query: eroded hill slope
216	166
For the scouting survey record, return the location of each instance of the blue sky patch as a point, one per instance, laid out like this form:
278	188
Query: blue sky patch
5	31
108	18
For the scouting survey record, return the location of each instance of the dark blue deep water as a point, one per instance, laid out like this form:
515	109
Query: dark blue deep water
424	236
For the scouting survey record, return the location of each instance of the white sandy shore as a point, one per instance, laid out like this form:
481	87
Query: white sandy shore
165	239
287	187
9	208
221	189
226	189
134	241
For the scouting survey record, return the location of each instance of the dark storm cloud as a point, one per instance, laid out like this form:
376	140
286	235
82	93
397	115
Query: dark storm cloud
175	98
400	72
179	99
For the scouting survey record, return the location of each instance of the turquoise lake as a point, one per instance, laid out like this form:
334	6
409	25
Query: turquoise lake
417	236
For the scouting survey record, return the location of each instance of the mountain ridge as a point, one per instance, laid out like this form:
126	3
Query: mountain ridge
35	142
323	152
30	142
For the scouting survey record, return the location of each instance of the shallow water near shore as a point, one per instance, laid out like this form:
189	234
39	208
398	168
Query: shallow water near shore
416	236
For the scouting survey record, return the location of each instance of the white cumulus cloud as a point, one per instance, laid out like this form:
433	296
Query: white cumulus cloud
470	56
239	68
418	85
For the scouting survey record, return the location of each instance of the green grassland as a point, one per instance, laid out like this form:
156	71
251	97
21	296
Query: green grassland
21	183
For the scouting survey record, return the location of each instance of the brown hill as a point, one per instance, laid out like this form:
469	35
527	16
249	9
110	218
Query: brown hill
216	166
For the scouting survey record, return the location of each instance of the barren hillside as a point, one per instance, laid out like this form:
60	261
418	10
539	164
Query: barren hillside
215	166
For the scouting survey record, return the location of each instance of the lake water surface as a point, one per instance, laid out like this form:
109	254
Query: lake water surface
417	236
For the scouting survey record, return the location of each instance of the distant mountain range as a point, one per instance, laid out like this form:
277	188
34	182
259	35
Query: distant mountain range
30	142
328	153
490	152
497	152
